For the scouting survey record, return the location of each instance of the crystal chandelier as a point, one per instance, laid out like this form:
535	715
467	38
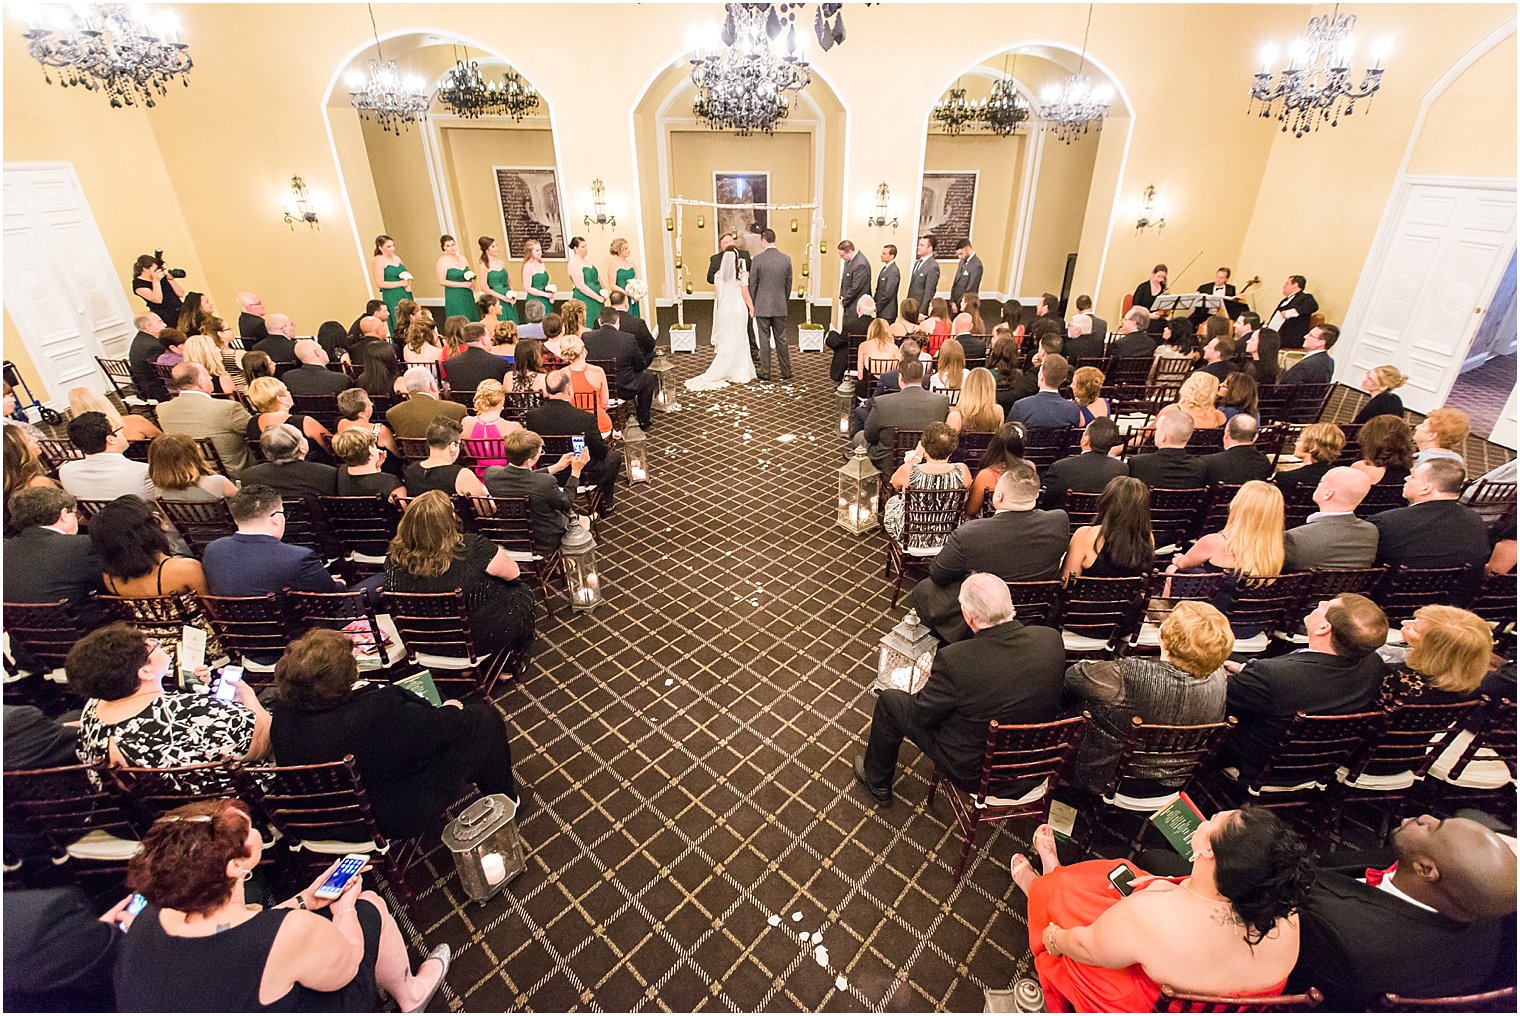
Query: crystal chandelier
1006	110
385	97
109	48
464	90
517	97
748	86
1316	86
954	112
1076	105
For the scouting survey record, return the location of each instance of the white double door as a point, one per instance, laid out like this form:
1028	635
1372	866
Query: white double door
1442	249
62	292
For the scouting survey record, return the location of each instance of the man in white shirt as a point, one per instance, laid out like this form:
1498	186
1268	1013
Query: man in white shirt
105	473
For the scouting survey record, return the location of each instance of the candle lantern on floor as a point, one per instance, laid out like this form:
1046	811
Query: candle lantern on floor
659	367
487	849
907	653
859	493
636	452
578	550
844	403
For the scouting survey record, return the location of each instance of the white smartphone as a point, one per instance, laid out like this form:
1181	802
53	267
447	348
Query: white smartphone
224	688
347	868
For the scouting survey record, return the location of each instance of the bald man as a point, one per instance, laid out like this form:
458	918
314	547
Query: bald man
1333	536
313	377
1439	922
279	342
251	324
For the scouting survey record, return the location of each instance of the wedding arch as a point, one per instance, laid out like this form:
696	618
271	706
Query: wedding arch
676	262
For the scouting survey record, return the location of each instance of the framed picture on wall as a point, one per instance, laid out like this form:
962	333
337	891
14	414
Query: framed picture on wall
531	209
947	207
747	189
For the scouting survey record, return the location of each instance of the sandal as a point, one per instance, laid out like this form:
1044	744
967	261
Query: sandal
443	954
1019	863
1045	836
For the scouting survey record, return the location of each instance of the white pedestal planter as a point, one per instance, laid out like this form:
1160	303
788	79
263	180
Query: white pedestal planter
683	338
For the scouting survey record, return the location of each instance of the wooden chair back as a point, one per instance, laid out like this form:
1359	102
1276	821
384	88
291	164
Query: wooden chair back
1218	511
361	525
1172	1000
1267	604
54	453
1175	514
930	516
322	802
1036	602
1310	750
199	522
1043	447
1082	508
322	408
1490	499
248	625
154	793
68	804
1129	370
1494	739
1405	590
161	617
1499	1000
1180	751
119	373
41	634
1413	738
1109	609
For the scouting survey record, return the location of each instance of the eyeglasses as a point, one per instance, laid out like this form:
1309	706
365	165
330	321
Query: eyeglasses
277	511
153	644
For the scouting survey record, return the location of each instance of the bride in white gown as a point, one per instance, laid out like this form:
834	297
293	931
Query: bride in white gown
732	310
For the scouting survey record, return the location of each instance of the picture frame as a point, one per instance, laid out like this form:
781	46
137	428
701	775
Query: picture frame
947	206
745	187
532	208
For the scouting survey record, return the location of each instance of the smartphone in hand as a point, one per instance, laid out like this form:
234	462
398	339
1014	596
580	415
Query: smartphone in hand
1122	878
224	688
577	444
134	907
333	886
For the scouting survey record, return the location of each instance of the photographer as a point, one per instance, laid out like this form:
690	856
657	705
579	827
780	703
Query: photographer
159	287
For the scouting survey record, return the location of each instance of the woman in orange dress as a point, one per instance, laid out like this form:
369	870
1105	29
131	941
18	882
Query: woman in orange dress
1229	928
586	379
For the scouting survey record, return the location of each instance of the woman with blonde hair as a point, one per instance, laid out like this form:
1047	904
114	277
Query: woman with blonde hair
1319	448
504	339
978	411
586	381
133	427
1196	399
623	272
177	468
486	424
1387	450
949	368
224	335
1447	657
1249	547
1086	384
422	344
1380	383
878	345
969	320
202	349
272	401
572	319
1441	435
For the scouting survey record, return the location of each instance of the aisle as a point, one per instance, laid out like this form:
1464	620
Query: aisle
689	751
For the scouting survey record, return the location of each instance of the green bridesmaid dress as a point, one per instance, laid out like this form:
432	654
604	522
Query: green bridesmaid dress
540	281
496	282
593	307
394	294
456	300
621	279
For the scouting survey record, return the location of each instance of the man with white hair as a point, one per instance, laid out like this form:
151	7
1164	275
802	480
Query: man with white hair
422	405
286	468
1081	342
1134	340
313	377
142	354
1004	673
279	342
251	324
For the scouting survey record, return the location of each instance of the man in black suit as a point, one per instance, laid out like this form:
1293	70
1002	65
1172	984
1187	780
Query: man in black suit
1090	471
47	560
475	362
1047	320
1170	467
887	281
313	377
1291	319
552	509
142	355
634	382
279	341
285	466
1241	461
1082	342
1005	672
1221	286
1084	305
1018	544
1028	383
1338	673
923	283
854	282
1435	531
1316	368
1133	339
968	275
1216	357
1439	923
559	415
251	325
742	264
632	324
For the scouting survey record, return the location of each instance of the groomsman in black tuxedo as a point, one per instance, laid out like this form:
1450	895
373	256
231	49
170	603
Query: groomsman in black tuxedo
725	244
924	281
1291	318
968	277
854	282
886	284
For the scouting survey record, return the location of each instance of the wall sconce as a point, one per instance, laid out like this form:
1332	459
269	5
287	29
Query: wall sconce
599	216
804	269
883	207
670	224
1149	217
298	208
794	225
701	222
823	246
678	259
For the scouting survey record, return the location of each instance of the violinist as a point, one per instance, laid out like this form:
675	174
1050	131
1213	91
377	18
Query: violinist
1147	292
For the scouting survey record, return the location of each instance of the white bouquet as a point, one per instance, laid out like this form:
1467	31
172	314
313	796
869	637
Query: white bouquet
469	276
405	276
551	288
636	289
603	294
511	296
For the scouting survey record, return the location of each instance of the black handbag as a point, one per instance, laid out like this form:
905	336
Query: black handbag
835	340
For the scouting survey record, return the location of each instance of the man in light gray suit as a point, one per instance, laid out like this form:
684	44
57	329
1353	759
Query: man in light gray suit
1333	537
770	284
886	284
924	281
912	408
968	275
195	412
854	282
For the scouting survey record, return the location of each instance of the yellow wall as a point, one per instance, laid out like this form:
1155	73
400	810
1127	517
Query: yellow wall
409	215
999	163
1060	205
1447	147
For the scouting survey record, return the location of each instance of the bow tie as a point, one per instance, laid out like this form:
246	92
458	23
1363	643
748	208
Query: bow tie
1375	876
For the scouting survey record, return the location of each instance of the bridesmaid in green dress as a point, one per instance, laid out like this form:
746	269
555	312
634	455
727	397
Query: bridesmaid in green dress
390	277
623	272
536	277
457	280
586	286
496	279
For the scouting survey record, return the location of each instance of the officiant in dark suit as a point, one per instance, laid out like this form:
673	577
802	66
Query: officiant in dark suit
923	283
854	282
741	265
887	281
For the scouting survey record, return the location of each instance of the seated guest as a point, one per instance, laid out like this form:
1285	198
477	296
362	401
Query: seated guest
1387	450
313	377
878	345
256	365
1338	673
1119	543
380	371
1380	383
1170	467
333	337
133	427
202	349
1090	470
60	950
1249	547
1084	305
1003	361
1230	928
286	467
1005	449
475	362
527	366
356	412
1177	340
130	720
422	405
360	474
1047	319
927	467
949	367
634	381
1238	394
279	342
1441	435
907	319
1316	368
422	342
1264	346
969	320
48	560
551	508
254	561
274	404
1005	673
1438	923
105	472
1018	544
504	339
532	326
1133	340
1435	531
1333	537
136	557
431	554
441	470
1241	461
1082	343
1086	389
1217	357
173	342
1048	344
856	325
978	411
486	424
143	354
559	415
1046	409
586	380
913	408
1185	686
937	318
23	467
1319	447
632	323
251	323
180	473
199	942
1443	660
1196	399
891	381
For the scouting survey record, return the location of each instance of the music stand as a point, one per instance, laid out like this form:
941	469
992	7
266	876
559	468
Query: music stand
1181	301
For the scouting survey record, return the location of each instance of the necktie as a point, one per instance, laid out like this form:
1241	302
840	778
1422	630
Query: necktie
1375	876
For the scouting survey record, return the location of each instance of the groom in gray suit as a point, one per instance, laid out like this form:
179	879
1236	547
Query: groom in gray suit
770	284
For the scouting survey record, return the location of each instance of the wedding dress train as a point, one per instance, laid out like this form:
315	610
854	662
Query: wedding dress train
730	334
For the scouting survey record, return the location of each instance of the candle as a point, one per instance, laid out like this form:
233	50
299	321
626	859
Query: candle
493	867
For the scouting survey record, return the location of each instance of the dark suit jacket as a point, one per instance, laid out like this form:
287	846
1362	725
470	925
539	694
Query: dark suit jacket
310	379
1337	541
1294	329
923	282
1083	347
1435	534
279	349
145	349
295	479
1088	472
887	281
854	282
968	279
974	346
1009	673
910	409
1169	469
251	326
472	365
45	566
1014	546
1315	369
552	509
1358	942
1046	411
1134	344
1100	326
1221	369
716	262
556	416
245	564
1266	694
411	418
635	326
1236	465
611	344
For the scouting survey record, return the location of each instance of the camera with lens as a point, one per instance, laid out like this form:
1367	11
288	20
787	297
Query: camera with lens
173	273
